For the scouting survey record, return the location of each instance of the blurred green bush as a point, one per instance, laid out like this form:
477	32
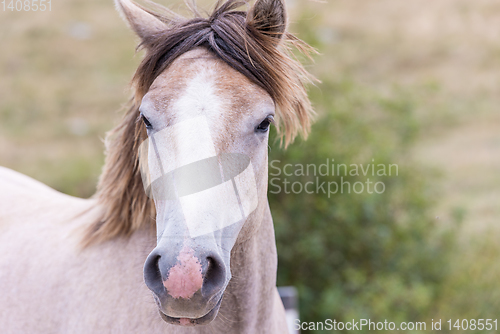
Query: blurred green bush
353	256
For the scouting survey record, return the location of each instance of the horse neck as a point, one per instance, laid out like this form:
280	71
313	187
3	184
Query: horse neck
248	300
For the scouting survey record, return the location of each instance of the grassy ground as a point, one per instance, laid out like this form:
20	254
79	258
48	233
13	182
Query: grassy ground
448	52
64	75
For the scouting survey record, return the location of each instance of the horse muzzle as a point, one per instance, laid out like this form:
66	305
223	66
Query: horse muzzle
188	288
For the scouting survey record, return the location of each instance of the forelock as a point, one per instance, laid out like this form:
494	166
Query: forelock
250	51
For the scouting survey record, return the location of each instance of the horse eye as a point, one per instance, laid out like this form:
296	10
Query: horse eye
264	125
146	122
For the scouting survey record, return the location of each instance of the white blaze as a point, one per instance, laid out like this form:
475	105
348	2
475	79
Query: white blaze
188	142
179	145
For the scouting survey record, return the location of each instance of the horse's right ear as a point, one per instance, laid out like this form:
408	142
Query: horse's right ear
143	23
269	17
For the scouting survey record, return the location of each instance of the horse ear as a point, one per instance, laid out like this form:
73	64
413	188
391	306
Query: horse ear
269	17
142	22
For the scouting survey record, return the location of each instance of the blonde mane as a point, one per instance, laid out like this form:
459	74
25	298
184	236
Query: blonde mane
242	40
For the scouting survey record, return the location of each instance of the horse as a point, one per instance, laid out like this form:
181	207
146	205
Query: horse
179	236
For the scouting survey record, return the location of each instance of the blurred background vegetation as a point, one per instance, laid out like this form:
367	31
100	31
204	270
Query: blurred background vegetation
403	82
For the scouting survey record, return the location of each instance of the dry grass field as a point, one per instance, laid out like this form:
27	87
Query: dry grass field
64	77
450	51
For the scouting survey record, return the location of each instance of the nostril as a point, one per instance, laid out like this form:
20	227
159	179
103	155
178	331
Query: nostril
214	278
152	274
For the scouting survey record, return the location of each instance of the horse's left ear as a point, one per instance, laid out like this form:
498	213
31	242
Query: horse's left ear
142	22
269	17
